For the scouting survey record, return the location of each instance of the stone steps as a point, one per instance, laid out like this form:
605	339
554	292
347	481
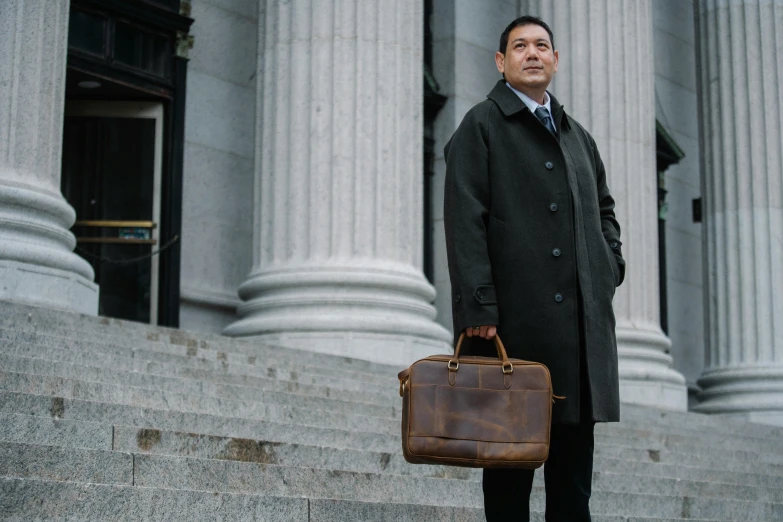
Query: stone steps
202	440
643	438
276	392
299	409
103	418
219	372
180	357
269	384
735	427
25	319
288	409
629	412
154	441
39	408
25	500
45	500
225	476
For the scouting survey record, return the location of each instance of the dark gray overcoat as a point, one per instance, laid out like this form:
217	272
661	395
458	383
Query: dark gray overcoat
530	229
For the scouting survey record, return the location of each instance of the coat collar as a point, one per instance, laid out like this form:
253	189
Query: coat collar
510	104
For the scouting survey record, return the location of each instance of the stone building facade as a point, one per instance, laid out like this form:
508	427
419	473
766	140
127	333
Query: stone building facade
291	174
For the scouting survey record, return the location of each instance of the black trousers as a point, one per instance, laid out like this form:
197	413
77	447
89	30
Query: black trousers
567	477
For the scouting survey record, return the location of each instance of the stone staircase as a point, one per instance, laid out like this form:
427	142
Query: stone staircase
112	420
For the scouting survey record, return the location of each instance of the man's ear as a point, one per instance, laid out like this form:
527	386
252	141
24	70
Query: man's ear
557	60
500	61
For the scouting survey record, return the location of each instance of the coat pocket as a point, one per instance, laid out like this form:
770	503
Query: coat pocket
496	240
613	265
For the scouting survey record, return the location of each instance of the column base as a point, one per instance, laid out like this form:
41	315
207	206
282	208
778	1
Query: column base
646	374
751	392
771	418
47	287
367	309
37	263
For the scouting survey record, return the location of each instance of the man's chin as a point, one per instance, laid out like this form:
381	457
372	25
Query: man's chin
534	83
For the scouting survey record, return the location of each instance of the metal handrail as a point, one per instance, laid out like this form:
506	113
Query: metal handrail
115	224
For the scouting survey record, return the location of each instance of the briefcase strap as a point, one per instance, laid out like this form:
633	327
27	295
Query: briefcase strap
453	365
507	366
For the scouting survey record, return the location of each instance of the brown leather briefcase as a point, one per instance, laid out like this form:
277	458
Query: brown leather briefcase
479	412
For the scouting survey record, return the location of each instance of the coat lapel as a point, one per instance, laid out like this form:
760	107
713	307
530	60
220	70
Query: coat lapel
510	104
558	112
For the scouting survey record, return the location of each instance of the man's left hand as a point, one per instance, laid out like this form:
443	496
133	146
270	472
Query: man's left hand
485	332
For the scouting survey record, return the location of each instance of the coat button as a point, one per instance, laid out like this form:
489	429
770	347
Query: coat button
553	207
614	245
549	165
479	296
457	298
556	252
558	298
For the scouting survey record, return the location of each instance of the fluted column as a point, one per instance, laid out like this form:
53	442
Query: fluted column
337	251
605	80
37	263
741	66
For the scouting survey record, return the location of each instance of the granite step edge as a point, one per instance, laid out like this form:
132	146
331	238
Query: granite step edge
219	476
43	406
89	501
53	385
331	404
280	356
195	364
146	439
93	372
65	388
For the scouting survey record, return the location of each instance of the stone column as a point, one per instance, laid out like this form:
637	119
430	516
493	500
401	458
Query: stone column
337	249
740	70
37	263
605	80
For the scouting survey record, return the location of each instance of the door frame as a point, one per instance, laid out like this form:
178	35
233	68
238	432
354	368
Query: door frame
172	19
137	110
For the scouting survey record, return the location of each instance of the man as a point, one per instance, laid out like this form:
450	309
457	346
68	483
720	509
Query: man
534	256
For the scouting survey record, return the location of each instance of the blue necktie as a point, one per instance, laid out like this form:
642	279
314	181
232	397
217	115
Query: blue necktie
543	115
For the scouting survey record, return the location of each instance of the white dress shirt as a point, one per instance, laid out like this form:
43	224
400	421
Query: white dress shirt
533	105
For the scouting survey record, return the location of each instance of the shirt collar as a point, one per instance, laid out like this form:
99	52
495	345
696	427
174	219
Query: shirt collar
531	103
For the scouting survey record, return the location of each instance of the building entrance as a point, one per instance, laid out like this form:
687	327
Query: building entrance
112	160
123	149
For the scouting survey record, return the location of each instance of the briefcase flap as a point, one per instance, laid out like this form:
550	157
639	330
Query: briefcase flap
480	415
483	403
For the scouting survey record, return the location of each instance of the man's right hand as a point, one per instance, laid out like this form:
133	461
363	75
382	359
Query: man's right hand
485	332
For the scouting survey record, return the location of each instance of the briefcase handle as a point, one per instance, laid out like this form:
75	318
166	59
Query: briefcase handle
507	366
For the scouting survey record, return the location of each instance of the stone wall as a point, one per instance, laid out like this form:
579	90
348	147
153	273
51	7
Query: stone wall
677	109
219	154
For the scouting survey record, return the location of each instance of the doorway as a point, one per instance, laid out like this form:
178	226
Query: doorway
135	56
111	175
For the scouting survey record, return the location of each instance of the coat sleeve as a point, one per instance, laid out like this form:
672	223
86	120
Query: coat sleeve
466	206
609	225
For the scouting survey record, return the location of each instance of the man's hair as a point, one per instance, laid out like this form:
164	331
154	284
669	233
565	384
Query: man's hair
524	20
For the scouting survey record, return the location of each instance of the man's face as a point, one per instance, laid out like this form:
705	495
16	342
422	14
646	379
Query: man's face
529	62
